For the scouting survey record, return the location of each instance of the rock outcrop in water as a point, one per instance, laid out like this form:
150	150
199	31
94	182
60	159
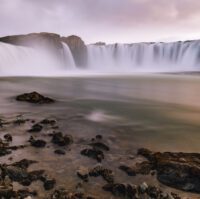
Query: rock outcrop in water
177	170
35	98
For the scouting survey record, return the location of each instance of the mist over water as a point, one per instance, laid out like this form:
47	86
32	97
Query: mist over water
145	57
105	59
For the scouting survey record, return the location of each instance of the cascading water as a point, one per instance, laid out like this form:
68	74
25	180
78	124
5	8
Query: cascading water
145	57
68	57
25	61
116	58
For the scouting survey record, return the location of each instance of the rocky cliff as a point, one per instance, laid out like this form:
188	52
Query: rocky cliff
78	49
52	42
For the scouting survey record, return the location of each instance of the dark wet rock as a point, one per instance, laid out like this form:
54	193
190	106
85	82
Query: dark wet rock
93	139
22	176
16	147
65	194
6	188
177	170
154	192
60	152
93	153
35	128
99	170
100	145
175	196
83	173
143	168
143	187
153	173
59	194
17	172
130	171
34	97
37	143
55	127
8	137
62	140
24	163
25	193
7	192
99	137
146	153
19	120
48	122
4	151
36	175
128	191
49	184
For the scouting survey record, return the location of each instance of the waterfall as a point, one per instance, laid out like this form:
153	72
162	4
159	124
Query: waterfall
68	57
26	61
144	57
115	58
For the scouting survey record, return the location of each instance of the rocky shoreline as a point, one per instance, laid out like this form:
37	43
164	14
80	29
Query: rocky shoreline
177	170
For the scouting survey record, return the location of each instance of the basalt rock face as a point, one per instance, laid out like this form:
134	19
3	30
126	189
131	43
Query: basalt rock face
52	42
34	40
46	42
78	49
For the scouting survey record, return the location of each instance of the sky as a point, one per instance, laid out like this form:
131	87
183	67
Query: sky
111	21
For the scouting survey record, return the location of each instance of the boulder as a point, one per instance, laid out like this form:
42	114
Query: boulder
8	137
93	153
37	143
48	122
35	128
62	193
49	183
106	174
61	140
143	168
100	145
83	173
35	98
177	170
59	152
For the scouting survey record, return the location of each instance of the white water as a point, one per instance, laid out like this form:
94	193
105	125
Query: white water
145	57
68	57
24	61
109	59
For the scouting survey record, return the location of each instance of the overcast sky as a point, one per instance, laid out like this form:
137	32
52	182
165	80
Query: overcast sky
104	20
